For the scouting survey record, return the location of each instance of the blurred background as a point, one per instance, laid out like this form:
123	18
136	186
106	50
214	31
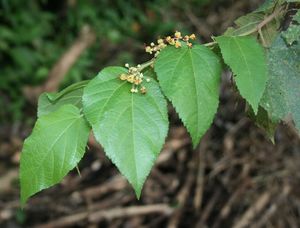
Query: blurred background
236	178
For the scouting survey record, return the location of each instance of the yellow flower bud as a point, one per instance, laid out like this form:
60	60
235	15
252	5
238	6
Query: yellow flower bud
130	78
172	42
161	46
137	81
123	77
143	90
168	39
148	49
193	36
177	44
160	41
177	34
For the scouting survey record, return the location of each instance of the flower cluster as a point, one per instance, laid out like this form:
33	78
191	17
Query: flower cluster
170	40
136	78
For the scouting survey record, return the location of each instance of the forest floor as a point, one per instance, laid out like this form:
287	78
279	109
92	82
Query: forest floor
236	177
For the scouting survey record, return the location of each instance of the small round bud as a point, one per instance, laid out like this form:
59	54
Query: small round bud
168	39
177	44
148	80
160	41
123	77
148	49
161	46
143	90
127	65
130	78
172	42
193	36
137	81
177	35
152	44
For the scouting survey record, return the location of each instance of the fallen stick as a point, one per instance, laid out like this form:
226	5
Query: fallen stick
114	213
254	210
86	38
170	147
65	221
116	183
209	208
273	208
201	171
7	179
130	211
183	196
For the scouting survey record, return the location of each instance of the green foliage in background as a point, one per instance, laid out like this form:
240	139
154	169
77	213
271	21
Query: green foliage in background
34	34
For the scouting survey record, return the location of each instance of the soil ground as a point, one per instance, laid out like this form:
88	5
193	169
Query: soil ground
236	177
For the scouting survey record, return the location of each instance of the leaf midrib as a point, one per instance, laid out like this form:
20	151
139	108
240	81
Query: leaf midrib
133	137
246	63
52	145
197	92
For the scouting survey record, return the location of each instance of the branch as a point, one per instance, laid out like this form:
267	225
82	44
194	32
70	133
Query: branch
263	23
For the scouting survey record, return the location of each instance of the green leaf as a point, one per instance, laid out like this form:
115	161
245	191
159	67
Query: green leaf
270	5
131	127
69	89
55	146
292	34
49	102
263	121
282	94
247	60
46	106
190	78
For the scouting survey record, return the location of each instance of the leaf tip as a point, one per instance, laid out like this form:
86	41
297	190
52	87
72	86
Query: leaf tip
255	109
23	200
137	191
195	143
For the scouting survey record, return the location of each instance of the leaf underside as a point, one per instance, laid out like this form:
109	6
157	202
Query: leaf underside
247	60
282	94
56	145
190	79
131	127
46	106
292	34
262	120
